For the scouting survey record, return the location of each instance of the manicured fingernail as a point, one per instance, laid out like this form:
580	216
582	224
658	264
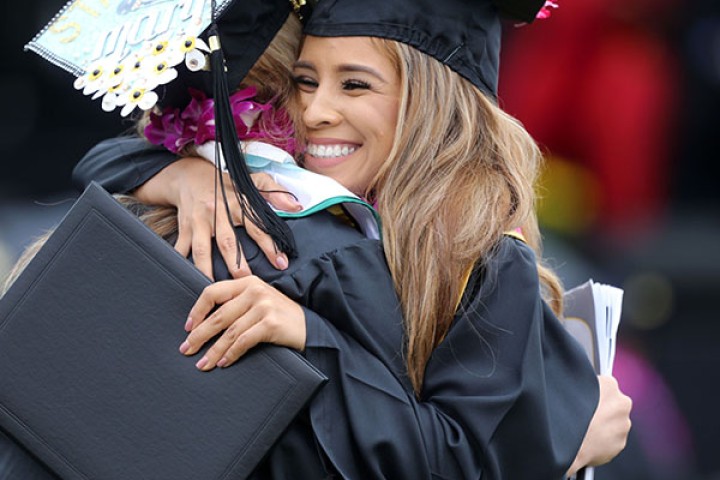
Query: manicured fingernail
281	262
184	347
188	324
201	364
223	361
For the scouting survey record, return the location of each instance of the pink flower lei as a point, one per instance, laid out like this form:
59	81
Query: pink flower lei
195	124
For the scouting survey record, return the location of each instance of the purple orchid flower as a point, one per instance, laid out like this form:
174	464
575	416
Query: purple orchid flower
196	123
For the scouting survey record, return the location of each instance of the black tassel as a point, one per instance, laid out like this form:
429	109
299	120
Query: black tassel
254	207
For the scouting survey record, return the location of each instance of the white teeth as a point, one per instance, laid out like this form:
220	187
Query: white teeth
329	151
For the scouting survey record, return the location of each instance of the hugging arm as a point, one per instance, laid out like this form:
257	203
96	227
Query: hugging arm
158	177
122	164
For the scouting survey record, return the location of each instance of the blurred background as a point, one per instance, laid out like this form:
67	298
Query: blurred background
624	98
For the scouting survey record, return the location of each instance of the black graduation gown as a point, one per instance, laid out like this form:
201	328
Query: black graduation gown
507	395
121	164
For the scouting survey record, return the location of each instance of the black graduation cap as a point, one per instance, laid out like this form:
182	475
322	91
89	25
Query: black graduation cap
463	34
245	28
143	53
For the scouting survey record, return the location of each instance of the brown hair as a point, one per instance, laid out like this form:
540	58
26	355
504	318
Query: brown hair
457	178
23	261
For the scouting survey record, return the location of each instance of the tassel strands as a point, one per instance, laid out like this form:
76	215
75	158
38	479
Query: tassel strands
253	206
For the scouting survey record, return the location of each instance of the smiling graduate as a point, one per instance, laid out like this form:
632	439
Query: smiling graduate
441	341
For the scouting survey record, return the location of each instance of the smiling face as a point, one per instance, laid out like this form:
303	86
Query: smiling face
349	97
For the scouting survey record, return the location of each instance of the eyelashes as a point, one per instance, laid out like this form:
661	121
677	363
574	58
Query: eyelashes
306	83
356	85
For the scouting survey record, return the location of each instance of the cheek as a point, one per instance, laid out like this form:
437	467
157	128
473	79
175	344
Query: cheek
376	158
386	125
389	116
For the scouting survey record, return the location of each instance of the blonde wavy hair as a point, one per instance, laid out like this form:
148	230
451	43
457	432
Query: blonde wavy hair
461	172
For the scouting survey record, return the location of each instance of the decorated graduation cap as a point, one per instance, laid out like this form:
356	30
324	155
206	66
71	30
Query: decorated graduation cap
139	54
463	34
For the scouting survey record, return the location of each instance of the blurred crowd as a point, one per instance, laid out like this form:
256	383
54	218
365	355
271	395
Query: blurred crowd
624	98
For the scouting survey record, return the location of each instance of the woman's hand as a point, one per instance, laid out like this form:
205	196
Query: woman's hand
609	428
189	185
250	312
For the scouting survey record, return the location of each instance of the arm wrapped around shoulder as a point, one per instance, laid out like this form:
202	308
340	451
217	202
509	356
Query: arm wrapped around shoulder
121	164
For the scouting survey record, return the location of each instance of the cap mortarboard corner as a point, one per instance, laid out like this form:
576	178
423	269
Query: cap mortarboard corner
130	73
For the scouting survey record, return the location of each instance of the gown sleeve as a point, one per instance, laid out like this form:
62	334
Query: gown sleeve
121	164
507	394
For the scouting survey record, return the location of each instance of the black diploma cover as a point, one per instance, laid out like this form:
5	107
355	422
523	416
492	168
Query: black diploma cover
91	380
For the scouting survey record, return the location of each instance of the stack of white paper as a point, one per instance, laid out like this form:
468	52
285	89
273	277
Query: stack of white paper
592	316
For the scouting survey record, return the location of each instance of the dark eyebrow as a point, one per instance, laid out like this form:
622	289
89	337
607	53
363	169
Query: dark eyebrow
350	68
344	68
